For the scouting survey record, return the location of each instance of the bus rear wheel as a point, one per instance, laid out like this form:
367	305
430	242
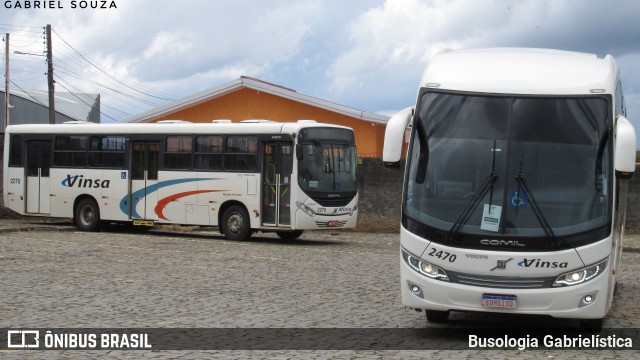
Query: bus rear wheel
87	215
235	223
289	235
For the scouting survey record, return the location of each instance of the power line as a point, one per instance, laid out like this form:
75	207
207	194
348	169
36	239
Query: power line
105	86
61	83
72	66
29	95
110	76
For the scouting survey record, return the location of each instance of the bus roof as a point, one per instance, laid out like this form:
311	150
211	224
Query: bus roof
522	71
170	127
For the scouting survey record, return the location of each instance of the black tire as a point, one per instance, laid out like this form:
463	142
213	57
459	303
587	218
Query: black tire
236	224
289	235
591	325
87	215
437	316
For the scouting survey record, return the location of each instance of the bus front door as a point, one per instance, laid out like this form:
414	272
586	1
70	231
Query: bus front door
38	164
276	188
143	194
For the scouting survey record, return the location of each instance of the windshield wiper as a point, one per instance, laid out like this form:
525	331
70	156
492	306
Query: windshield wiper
537	211
477	198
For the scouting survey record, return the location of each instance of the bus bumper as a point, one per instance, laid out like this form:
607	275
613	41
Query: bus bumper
561	302
323	222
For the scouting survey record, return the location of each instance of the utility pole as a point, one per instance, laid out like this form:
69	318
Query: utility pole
52	106
6	82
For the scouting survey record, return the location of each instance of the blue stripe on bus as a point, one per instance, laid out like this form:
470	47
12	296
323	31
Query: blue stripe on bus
137	195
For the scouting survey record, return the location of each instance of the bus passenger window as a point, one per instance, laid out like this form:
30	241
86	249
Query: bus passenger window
208	154
241	153
15	157
70	151
177	154
106	152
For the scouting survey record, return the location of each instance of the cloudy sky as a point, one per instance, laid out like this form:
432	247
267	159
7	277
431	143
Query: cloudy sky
366	54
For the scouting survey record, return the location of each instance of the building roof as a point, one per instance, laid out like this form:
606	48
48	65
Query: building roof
256	84
65	103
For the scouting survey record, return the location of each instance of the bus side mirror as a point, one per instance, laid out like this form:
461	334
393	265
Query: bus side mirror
394	137
299	154
625	152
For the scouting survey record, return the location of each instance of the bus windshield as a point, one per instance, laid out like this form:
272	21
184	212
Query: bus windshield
328	161
517	167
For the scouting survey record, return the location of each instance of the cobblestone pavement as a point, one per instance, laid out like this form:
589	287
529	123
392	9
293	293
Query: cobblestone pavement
57	277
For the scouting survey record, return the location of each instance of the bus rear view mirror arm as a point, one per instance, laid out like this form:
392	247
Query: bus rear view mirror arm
625	152
394	137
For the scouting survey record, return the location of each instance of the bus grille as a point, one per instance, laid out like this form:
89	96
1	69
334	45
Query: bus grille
331	224
503	282
339	202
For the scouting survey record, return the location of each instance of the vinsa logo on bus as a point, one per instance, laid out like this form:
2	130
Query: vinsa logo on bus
79	181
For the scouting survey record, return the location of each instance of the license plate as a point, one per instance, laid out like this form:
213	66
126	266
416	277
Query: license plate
499	301
333	223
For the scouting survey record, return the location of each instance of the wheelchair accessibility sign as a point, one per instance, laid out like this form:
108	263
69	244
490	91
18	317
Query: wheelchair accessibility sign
517	199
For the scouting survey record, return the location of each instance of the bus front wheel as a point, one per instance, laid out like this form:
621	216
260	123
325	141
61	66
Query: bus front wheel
436	316
591	325
235	223
289	235
87	216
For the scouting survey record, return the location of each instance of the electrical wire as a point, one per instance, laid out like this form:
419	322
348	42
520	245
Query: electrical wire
72	67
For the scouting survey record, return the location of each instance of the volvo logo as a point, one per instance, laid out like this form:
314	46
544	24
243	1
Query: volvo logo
502	264
495	242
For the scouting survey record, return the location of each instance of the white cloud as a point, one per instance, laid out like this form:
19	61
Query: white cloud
365	54
390	45
168	43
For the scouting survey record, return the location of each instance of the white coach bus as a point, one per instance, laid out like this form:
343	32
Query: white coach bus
514	195
244	177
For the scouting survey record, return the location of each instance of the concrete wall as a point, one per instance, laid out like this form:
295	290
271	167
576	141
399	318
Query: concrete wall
380	192
633	202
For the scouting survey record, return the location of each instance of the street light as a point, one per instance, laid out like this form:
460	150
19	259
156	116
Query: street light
24	53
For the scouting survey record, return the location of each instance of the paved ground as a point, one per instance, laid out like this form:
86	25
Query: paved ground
55	277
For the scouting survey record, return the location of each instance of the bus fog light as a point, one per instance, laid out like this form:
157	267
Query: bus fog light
588	299
423	267
415	289
581	275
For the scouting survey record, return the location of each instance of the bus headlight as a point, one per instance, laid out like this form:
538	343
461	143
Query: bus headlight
307	210
581	275
427	269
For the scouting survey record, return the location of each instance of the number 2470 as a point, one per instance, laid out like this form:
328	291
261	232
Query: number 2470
442	255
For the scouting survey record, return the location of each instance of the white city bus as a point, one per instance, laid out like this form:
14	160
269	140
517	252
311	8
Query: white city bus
244	177
514	199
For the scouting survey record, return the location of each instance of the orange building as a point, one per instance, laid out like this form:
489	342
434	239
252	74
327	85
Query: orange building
248	98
